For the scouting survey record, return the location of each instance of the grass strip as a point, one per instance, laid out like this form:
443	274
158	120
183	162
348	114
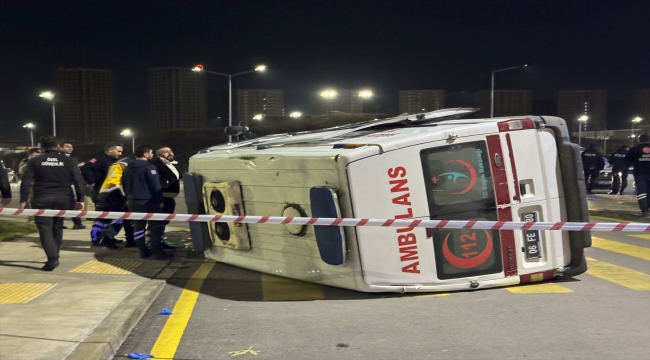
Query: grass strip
12	229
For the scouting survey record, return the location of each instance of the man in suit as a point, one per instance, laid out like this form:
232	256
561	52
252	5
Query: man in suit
164	162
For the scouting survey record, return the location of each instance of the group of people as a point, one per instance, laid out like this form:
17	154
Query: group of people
638	157
143	182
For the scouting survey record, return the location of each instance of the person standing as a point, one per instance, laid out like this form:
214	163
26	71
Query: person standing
141	184
49	177
33	152
639	157
66	148
5	187
164	162
620	169
592	163
94	173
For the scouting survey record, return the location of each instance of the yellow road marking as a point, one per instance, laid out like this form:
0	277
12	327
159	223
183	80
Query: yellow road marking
613	219
171	334
538	288
621	248
642	236
107	267
432	295
276	288
632	279
22	293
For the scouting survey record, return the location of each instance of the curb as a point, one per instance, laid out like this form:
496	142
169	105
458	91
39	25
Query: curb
110	334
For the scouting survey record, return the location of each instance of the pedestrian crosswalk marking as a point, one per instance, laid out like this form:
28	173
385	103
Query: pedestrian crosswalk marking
642	236
538	288
621	248
276	288
22	293
631	279
107	267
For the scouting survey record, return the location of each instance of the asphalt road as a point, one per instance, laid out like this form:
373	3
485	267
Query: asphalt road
604	314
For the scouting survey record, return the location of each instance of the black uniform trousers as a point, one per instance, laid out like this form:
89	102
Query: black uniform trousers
590	177
156	228
50	229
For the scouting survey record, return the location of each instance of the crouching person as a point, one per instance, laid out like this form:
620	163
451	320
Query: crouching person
111	197
141	184
49	177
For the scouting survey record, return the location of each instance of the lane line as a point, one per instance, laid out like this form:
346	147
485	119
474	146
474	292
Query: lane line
538	288
170	336
642	236
621	248
276	288
619	275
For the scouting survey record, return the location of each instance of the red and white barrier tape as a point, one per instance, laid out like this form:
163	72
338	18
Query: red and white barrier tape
281	220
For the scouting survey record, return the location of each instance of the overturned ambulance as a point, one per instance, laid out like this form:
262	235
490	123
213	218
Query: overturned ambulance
423	166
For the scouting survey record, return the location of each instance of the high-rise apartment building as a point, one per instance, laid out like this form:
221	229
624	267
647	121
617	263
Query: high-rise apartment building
572	104
506	103
177	99
265	102
416	101
84	105
341	101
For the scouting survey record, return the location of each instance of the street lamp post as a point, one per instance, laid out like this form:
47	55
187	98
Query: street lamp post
582	119
31	127
48	95
259	68
129	133
492	89
634	121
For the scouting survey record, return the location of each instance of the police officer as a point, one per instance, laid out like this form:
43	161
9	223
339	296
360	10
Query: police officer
619	170
94	173
592	163
164	162
49	177
639	156
141	184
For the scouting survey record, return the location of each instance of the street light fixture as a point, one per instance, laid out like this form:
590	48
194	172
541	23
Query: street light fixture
366	94
259	68
31	127
582	119
634	121
131	134
258	117
48	95
295	114
329	94
492	91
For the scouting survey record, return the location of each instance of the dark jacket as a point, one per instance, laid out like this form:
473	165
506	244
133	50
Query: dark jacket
5	187
617	159
168	179
639	157
95	170
51	174
592	159
141	182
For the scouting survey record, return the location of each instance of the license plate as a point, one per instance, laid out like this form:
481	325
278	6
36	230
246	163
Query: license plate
531	238
604	183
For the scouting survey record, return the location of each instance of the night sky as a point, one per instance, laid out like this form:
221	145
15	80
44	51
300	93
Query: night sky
309	45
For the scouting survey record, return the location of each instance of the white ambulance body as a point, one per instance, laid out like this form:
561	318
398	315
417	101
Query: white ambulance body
413	167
